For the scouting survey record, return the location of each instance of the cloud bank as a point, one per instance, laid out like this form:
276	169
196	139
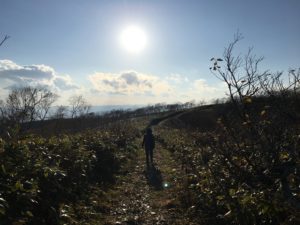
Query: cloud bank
126	87
138	88
130	83
35	75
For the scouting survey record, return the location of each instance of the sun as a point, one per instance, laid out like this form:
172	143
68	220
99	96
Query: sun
133	39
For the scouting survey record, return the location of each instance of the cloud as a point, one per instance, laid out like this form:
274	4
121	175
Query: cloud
130	83
65	83
200	89
139	88
202	86
34	75
177	78
126	87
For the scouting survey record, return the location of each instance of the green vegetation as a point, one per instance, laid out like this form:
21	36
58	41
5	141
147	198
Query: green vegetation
40	177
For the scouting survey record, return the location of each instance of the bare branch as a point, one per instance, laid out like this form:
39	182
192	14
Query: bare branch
4	39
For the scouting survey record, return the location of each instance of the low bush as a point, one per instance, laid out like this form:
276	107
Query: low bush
38	175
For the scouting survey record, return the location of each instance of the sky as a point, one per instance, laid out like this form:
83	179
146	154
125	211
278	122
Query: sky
74	47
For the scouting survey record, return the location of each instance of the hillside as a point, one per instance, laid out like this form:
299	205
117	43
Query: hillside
202	118
213	164
202	174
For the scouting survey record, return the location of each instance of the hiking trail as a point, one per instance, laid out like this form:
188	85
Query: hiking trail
143	195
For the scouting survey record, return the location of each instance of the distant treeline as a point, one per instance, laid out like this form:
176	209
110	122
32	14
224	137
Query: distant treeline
29	109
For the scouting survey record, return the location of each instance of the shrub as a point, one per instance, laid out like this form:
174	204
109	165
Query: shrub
38	176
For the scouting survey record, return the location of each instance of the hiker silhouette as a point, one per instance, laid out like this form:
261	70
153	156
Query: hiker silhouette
149	145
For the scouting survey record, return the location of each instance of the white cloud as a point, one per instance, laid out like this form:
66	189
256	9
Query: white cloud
127	87
65	83
202	86
34	75
177	78
200	89
130	83
131	87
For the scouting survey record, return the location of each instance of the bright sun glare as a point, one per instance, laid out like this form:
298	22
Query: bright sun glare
133	39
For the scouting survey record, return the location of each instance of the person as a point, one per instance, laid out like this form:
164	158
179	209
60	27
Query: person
149	145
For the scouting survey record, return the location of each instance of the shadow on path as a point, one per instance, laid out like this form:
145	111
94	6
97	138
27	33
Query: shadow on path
154	177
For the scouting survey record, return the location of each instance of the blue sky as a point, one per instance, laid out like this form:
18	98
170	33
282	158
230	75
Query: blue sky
73	46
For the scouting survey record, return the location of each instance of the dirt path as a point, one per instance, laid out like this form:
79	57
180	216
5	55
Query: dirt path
147	196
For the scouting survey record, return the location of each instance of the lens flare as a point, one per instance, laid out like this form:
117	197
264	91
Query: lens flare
166	185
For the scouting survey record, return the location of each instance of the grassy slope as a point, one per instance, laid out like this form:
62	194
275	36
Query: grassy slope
202	118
